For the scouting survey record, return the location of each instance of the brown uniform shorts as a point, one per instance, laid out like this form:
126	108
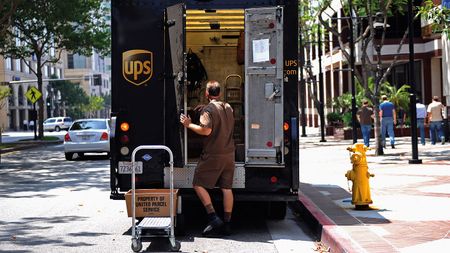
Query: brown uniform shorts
215	170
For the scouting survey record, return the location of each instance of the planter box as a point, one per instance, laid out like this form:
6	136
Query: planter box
398	132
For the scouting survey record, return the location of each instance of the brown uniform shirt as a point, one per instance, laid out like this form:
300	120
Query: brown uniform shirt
219	117
216	164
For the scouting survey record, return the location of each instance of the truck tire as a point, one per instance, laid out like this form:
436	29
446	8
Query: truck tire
276	210
69	156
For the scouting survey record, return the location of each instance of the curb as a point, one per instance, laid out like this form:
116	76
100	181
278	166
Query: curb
27	145
329	233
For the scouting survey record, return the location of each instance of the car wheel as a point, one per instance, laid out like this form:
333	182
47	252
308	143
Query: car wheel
69	156
57	129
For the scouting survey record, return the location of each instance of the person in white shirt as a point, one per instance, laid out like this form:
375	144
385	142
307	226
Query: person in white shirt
31	125
25	124
421	115
435	111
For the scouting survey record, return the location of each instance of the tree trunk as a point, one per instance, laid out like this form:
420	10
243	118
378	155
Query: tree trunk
40	124
377	132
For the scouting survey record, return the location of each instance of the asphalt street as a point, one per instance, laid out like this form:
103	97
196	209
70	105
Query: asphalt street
48	204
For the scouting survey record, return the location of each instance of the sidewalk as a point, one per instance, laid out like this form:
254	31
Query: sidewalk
20	140
411	202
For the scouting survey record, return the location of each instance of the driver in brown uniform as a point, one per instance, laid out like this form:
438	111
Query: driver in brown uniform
216	164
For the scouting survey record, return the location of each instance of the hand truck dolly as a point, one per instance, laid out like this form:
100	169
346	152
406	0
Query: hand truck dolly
163	225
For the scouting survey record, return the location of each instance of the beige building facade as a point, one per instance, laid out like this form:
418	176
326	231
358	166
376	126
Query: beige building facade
19	77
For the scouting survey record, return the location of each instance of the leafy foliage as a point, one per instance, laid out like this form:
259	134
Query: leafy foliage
398	96
334	117
5	92
96	103
74	97
438	16
7	8
42	29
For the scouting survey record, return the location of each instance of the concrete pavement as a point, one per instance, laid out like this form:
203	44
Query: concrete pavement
411	202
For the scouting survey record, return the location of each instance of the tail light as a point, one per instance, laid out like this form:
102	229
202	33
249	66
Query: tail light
273	179
124	139
67	137
104	136
124	126
286	126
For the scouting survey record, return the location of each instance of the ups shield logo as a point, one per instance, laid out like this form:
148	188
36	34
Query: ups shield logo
137	66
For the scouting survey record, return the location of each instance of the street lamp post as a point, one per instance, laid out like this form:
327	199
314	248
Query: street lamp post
352	69
412	96
321	95
302	84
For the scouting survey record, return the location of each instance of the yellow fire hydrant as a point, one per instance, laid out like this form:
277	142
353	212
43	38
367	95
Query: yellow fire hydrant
359	175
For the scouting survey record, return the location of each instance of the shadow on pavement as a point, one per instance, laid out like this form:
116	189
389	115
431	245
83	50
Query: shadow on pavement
25	232
34	172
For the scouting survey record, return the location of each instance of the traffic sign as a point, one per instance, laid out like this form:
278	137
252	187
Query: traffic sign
33	94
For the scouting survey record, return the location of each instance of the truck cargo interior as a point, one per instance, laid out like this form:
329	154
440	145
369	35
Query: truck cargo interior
215	51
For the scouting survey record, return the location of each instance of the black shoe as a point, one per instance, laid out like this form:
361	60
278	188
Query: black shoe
214	228
392	145
226	229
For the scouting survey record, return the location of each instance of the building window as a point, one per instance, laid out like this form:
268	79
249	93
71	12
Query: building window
11	97
70	61
75	61
8	62
52	71
58	72
18	66
20	95
26	67
45	71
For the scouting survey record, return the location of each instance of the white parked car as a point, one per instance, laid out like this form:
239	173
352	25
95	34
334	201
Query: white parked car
57	124
87	136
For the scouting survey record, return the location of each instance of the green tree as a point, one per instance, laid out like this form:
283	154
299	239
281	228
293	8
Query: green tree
44	28
398	96
5	92
7	8
438	16
73	96
95	104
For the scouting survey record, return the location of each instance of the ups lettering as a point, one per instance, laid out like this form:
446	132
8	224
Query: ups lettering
136	68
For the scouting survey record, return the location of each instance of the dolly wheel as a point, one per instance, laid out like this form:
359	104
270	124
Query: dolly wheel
136	245
175	248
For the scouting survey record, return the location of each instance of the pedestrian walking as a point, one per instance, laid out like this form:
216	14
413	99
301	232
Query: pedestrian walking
365	115
388	120
25	125
435	111
216	164
421	113
32	125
